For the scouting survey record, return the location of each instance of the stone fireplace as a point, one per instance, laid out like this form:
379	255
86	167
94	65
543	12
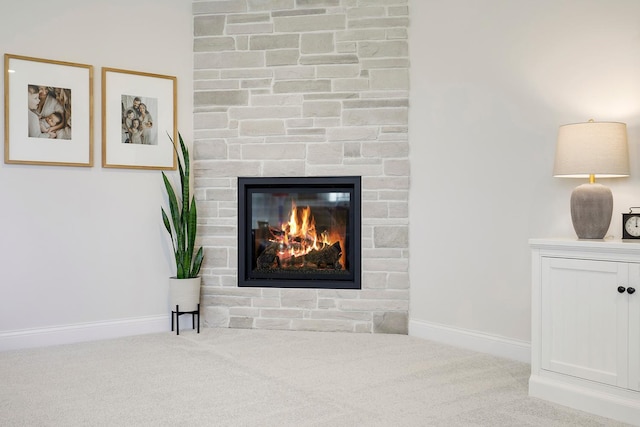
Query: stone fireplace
313	88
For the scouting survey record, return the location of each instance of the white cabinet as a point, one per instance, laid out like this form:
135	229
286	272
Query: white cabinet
585	342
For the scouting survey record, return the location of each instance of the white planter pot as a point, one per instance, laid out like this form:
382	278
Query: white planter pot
184	293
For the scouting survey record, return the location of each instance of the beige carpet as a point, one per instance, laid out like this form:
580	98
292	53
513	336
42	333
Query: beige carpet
233	377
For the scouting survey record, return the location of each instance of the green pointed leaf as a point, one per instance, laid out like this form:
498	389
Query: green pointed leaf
185	175
192	227
197	263
167	225
173	203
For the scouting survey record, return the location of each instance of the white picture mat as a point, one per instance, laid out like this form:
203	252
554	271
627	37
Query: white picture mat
24	148
137	155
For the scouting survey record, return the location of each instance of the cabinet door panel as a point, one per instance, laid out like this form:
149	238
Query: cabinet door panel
584	319
634	328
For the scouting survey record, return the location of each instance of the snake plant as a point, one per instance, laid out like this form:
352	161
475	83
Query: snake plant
182	225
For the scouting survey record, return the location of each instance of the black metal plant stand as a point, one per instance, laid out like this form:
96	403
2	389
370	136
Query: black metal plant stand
195	316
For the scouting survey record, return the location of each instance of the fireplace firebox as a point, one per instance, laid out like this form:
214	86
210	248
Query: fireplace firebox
299	232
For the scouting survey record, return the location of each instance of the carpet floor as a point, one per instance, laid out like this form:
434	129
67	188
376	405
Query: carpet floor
236	377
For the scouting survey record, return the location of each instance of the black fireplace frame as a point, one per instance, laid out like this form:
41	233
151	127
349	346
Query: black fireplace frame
350	184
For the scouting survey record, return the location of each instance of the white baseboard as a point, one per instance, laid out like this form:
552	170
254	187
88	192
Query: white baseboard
614	403
68	334
472	340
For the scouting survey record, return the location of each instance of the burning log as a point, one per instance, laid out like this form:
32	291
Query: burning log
329	256
276	232
269	257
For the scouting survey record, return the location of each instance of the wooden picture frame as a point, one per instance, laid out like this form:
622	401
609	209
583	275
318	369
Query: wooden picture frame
48	112
139	120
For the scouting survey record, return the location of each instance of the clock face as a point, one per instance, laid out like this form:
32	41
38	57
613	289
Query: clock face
632	226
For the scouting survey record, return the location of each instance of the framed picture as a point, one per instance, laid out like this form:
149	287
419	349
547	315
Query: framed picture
139	120
48	112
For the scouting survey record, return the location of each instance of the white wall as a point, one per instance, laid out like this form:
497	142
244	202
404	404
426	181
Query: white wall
86	246
491	81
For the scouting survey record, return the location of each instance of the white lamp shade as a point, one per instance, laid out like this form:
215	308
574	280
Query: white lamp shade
592	148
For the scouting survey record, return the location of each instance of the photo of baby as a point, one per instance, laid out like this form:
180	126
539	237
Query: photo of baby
49	112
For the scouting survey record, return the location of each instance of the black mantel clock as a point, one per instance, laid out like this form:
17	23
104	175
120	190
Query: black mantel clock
631	224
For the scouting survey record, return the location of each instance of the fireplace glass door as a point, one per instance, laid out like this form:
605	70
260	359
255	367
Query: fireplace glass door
299	232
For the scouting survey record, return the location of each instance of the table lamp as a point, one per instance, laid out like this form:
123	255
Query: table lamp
592	150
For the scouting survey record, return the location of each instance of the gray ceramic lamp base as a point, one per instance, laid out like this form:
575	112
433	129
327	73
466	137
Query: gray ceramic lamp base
591	209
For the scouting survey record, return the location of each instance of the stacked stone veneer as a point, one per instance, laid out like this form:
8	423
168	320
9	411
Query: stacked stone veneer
303	88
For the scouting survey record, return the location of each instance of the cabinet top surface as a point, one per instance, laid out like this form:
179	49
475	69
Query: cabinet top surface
604	245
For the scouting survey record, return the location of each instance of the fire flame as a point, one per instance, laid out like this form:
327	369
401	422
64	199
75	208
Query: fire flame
299	236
